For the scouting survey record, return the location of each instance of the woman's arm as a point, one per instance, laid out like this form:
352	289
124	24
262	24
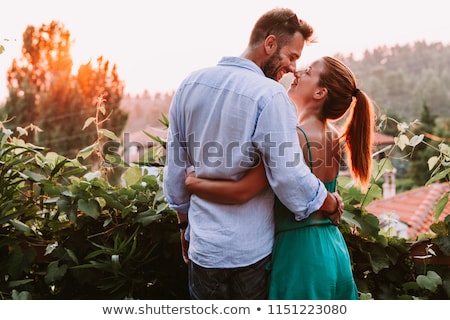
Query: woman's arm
227	191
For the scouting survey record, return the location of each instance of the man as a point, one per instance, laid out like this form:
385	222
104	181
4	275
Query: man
224	119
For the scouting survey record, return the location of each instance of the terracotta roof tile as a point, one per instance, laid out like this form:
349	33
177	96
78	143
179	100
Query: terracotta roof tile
381	139
415	208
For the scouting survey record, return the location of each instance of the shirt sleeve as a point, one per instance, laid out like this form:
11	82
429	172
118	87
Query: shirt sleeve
175	192
290	178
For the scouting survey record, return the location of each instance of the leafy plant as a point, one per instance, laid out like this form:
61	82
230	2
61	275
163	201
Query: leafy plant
382	263
66	232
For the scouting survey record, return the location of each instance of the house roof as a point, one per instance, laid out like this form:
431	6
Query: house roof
415	208
382	139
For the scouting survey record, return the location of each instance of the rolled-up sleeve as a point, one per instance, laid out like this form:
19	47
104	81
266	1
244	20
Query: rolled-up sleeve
290	178
175	191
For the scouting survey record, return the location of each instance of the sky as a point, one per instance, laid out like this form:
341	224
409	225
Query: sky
155	44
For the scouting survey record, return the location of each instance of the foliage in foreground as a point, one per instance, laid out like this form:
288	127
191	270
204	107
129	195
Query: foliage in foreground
384	265
68	233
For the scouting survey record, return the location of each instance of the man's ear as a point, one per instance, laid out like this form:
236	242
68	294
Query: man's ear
270	44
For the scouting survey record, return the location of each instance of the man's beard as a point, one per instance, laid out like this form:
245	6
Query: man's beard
271	67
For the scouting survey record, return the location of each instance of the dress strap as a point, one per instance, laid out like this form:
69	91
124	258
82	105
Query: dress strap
309	148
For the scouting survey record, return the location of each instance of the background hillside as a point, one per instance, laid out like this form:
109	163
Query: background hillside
400	79
145	110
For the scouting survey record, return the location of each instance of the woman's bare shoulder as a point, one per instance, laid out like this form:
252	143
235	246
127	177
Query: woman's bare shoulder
336	134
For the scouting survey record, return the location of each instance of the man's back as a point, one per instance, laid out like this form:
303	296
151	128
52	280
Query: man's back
217	111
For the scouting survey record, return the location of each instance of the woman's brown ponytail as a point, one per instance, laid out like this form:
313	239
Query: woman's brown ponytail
344	95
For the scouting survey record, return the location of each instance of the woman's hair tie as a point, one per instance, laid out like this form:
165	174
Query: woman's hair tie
355	92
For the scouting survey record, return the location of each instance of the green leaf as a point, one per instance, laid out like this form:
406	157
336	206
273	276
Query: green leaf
439	228
161	207
150	181
378	259
415	140
8	217
438	176
109	134
411	285
20	226
164	120
72	255
116	160
51	247
55	272
159	196
96	253
112	201
432	161
88	122
370	225
431	281
402	127
374	192
382	151
68	206
132	176
401	141
90	207
86	152
22	295
440	206
443	243
17	283
60	163
446	285
51	160
36	177
147	217
349	218
115	263
444	149
365	296
100	183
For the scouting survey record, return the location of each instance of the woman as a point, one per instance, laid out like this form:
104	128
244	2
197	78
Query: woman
310	259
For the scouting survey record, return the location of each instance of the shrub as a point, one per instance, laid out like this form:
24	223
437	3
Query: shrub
67	233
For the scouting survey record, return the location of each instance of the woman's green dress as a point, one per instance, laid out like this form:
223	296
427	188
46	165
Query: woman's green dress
310	259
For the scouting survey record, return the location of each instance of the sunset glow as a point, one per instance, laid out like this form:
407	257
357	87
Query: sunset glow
156	44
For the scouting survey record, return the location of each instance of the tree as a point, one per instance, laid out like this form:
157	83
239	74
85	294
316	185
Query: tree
43	91
100	79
